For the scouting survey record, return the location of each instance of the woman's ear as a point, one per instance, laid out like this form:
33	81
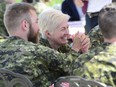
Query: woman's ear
48	35
25	25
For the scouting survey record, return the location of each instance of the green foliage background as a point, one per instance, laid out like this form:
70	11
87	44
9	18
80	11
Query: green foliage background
51	3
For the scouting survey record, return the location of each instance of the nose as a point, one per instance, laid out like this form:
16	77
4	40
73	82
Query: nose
67	31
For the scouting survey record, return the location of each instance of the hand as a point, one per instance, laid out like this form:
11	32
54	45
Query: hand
85	41
81	42
77	42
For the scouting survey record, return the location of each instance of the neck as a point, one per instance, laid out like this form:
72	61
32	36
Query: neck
53	45
113	40
18	34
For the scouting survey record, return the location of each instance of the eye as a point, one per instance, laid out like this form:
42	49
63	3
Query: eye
63	28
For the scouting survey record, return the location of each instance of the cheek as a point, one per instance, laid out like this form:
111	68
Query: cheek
36	29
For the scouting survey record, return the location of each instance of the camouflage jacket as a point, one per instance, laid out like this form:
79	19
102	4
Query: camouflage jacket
40	64
87	57
102	67
96	37
3	31
63	49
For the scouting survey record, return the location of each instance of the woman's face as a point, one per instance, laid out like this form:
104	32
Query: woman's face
61	34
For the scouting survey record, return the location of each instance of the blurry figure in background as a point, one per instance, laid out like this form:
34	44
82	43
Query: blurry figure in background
73	8
3	5
28	1
57	7
54	32
41	5
94	6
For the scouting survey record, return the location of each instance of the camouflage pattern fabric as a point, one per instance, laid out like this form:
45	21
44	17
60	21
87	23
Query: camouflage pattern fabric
96	37
83	58
40	64
63	49
102	67
2	38
3	31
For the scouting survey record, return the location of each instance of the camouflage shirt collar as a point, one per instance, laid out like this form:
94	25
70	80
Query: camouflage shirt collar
63	49
44	42
14	37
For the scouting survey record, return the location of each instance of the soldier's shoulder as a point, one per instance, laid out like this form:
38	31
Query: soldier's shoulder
96	37
94	31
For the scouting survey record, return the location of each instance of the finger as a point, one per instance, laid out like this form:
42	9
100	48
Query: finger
86	45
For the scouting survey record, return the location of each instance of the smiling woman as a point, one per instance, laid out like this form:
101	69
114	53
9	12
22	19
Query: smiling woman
54	29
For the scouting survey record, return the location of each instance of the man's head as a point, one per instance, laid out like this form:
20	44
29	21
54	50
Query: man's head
107	21
54	26
20	19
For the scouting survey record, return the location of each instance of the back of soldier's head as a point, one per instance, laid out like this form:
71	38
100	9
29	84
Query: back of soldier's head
15	14
107	21
50	19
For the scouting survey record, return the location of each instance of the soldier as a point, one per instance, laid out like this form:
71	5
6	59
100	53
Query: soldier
19	52
95	35
54	31
102	67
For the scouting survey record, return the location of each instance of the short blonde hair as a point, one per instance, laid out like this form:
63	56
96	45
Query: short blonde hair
50	20
14	15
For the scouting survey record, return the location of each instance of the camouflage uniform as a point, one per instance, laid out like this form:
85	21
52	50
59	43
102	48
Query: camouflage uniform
83	58
3	31
40	64
63	49
96	37
103	66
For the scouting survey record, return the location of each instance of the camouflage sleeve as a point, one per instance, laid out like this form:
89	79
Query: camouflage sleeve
102	67
96	37
65	61
52	64
83	58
